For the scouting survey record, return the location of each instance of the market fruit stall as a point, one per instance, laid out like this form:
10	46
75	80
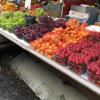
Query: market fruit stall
81	79
68	46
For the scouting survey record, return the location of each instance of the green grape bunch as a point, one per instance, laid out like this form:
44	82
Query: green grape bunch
8	19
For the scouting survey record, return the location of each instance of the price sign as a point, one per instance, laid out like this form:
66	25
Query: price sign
28	4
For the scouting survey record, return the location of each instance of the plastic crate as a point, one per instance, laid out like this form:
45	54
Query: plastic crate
94	38
78	69
60	60
94	78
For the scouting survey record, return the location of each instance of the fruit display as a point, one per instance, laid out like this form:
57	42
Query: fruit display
27	32
5	14
58	38
37	12
60	23
79	55
40	12
66	42
34	6
94	72
8	19
30	19
82	57
95	35
31	12
10	7
47	23
47	45
34	30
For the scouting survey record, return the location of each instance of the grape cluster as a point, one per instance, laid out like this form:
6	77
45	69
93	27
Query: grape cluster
60	23
6	14
8	20
50	23
26	32
47	22
19	14
40	28
34	31
30	19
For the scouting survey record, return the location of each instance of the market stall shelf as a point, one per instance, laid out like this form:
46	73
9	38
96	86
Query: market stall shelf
64	69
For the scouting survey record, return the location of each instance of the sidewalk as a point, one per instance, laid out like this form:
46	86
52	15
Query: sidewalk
12	88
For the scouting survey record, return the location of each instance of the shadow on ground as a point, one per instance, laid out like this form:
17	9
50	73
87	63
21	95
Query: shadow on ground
11	87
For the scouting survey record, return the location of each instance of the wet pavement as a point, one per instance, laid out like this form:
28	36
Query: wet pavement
11	86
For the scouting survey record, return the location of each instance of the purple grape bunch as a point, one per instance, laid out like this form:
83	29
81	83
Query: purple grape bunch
26	32
33	30
60	23
30	19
